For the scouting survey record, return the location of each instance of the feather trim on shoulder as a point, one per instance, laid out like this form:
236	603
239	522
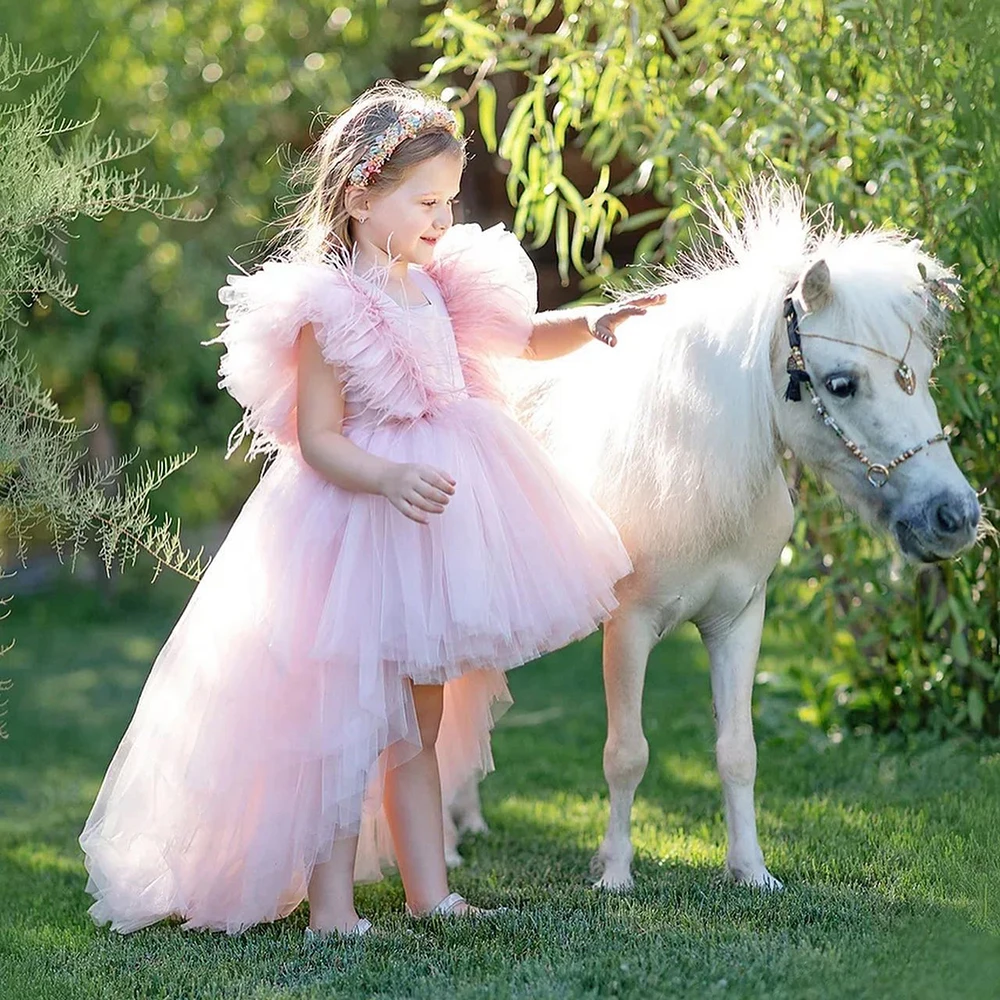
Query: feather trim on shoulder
266	309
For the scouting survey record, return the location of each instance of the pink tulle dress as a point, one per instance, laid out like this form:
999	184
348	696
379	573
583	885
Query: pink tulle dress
282	695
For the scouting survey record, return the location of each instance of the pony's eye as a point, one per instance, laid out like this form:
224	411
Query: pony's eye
841	386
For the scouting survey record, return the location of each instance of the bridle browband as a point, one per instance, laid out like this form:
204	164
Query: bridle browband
878	475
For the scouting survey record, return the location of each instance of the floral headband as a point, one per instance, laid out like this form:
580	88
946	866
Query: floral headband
409	124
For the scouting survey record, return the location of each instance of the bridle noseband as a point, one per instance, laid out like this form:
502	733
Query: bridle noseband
878	475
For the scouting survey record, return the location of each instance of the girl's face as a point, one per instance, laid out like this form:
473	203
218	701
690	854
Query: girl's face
407	221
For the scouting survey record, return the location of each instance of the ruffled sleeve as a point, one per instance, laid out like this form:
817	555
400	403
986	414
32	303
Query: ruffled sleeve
489	286
266	310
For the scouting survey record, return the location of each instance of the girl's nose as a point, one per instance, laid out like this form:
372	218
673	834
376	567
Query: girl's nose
443	218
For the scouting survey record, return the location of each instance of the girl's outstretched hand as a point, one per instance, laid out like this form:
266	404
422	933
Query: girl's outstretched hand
417	490
602	327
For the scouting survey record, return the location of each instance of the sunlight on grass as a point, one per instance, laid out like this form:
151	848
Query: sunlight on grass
51	784
78	691
693	772
568	818
579	821
911	856
700	847
43	857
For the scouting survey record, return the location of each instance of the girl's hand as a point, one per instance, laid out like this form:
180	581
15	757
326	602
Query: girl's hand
417	490
602	327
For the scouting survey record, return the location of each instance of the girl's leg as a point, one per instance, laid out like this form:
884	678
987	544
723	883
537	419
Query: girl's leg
331	890
413	808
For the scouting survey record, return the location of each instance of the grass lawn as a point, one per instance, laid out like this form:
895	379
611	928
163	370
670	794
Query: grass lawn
891	858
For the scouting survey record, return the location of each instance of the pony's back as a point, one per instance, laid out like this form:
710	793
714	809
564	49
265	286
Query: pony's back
669	431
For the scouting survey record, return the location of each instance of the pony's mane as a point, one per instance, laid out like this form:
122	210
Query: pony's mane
699	444
770	233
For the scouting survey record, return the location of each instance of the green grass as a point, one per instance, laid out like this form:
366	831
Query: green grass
890	857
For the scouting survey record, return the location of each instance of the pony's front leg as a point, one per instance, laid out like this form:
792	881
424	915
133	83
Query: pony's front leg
733	647
628	638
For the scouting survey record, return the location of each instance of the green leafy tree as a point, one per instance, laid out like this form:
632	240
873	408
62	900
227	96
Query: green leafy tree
607	114
53	170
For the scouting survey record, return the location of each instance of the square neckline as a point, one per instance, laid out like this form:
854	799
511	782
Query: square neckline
424	283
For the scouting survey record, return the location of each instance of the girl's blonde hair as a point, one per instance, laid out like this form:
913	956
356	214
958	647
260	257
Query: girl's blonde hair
320	221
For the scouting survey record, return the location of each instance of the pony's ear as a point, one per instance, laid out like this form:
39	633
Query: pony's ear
814	287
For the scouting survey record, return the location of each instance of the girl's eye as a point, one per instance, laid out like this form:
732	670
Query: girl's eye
841	386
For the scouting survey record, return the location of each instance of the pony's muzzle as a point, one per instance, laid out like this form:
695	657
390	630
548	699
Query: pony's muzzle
940	528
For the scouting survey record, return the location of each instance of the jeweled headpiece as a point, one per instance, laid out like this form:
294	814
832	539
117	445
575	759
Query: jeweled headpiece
406	127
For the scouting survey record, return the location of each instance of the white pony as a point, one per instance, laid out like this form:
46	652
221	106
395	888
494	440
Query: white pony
790	336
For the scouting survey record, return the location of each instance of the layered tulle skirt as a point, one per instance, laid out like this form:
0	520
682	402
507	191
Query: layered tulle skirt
283	693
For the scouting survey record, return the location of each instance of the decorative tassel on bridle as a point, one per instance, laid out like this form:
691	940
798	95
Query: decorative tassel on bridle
796	365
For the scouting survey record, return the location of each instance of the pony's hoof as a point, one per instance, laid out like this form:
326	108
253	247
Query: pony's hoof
762	879
613	876
473	826
615	881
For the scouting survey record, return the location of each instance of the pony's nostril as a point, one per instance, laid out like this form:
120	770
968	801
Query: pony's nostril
953	516
947	517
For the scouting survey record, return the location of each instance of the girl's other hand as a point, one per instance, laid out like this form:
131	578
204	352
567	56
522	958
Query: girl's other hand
602	327
417	490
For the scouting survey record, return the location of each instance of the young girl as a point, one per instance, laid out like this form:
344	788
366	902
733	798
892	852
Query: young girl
341	662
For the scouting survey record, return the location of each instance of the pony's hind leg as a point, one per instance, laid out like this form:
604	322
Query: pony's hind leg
733	647
462	815
452	856
628	638
467	808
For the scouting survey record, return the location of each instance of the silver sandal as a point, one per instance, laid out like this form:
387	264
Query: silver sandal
362	927
447	906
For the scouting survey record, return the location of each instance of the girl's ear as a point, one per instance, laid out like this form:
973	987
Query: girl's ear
356	201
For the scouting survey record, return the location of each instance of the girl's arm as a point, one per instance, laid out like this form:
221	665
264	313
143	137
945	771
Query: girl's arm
564	330
559	332
415	490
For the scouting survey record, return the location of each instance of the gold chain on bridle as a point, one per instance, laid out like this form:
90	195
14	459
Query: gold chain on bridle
877	474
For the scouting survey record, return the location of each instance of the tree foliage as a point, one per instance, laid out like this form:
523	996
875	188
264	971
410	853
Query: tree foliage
49	186
53	170
886	109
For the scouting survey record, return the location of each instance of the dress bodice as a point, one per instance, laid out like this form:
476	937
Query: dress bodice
396	362
426	328
434	339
